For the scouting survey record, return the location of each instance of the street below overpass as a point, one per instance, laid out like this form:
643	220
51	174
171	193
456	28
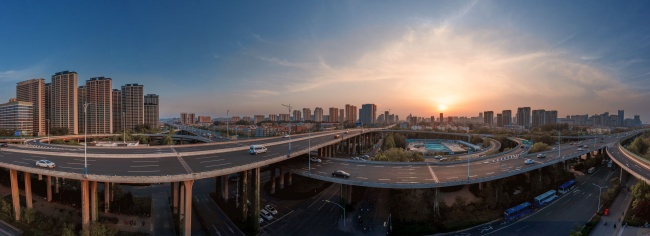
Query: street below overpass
566	213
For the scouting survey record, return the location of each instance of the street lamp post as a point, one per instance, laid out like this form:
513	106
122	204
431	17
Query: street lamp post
559	144
85	140
289	108
309	151
599	195
340	207
469	151
227	125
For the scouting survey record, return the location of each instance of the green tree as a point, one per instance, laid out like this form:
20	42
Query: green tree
217	123
6	207
97	229
167	140
67	230
29	215
539	147
389	142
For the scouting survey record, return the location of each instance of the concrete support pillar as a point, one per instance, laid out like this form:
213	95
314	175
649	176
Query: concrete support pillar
255	202
527	174
620	178
224	188
281	178
40	177
56	184
28	190
187	224
85	208
273	179
289	177
112	187
349	193
107	196
48	183
217	186
94	207
175	197
244	196
15	196
480	186
181	205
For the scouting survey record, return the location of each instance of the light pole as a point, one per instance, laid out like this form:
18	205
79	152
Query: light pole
599	195
469	151
309	151
289	108
340	207
559	144
48	130
227	125
85	140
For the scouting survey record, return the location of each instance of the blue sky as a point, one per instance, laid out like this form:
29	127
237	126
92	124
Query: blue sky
577	57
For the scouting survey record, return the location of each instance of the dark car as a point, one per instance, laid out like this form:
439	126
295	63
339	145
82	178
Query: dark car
4	145
340	173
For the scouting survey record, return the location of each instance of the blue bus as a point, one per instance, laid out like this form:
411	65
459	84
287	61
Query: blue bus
545	198
518	211
566	187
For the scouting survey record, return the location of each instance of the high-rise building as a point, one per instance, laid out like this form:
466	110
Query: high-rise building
341	115
488	118
117	111
285	117
297	116
187	118
350	113
98	93
17	116
605	119
48	117
202	119
152	111
273	117
33	91
621	118
499	120
442	118
333	115
306	112
551	117
318	114
386	116
539	118
637	120
258	118
368	114
523	117
133	105
507	117
82	95
63	102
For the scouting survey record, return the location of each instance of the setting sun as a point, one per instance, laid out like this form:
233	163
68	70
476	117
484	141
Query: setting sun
442	107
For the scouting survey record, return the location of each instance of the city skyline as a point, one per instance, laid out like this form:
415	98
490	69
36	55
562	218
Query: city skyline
413	58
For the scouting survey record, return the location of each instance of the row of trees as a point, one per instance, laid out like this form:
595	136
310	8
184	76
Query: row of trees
641	145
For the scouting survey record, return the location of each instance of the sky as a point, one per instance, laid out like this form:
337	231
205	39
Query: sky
412	57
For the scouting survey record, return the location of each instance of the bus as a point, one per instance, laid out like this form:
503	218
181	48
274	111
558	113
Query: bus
566	187
518	211
545	198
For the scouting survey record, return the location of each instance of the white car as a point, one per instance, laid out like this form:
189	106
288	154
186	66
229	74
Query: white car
261	220
285	136
266	215
314	159
529	161
45	163
271	209
580	149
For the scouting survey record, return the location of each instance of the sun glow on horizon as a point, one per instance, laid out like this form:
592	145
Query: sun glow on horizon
442	107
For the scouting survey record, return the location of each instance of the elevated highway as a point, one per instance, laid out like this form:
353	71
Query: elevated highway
182	165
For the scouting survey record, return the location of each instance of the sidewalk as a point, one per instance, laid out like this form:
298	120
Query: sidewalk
616	214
